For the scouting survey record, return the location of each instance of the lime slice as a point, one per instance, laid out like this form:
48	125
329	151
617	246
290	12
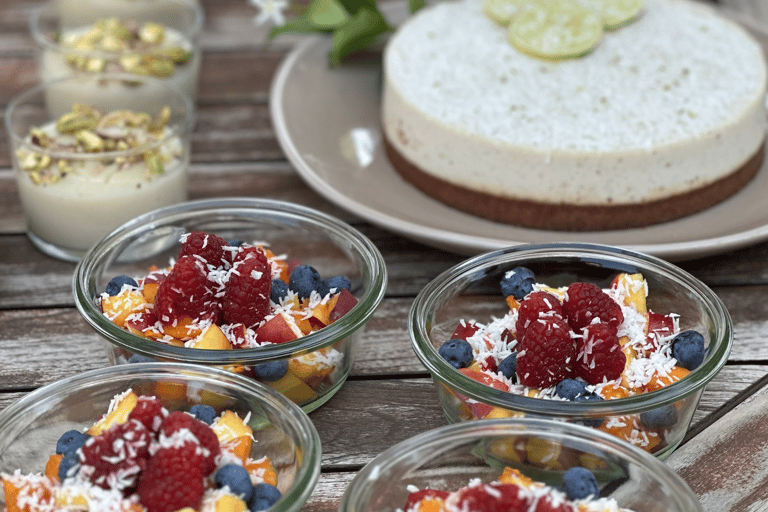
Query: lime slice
502	11
617	13
556	30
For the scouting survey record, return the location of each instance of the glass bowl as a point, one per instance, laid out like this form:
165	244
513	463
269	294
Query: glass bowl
310	237
447	458
30	428
86	164
471	291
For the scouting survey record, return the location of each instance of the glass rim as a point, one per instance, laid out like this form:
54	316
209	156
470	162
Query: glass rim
374	275
307	437
192	33
427	445
177	130
420	316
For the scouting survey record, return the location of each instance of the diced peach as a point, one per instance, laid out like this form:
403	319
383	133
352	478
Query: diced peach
119	307
170	391
508	449
52	466
212	338
512	302
321	313
312	367
659	380
430	505
657	326
229	503
239	447
344	304
149	290
144	324
304	325
612	391
185	329
513	476
70	499
464	330
18	493
628	429
293	387
117	414
633	289
230	426
479	409
544	452
279	329
262	469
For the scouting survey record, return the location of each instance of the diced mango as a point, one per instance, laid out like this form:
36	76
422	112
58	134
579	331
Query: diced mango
659	380
17	493
69	499
513	476
119	307
628	429
149	290
212	338
169	391
185	329
633	289
512	302
544	453
430	505
261	470
229	503
230	426
508	449
117	414
52	466
239	446
312	367
293	387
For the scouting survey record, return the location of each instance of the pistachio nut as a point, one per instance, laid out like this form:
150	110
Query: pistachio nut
89	141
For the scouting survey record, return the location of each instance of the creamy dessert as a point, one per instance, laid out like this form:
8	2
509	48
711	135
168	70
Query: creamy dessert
116	45
660	118
86	173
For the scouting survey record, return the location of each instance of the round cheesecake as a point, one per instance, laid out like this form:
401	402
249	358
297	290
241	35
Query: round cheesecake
664	118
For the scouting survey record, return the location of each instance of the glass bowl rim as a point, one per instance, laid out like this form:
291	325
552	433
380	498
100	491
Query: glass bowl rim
180	129
373	272
435	441
308	439
420	315
192	33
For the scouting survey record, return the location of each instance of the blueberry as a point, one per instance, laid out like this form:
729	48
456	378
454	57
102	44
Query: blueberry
271	371
588	397
138	358
116	284
688	349
457	352
204	413
68	462
304	280
508	367
580	483
517	282
263	497
339	282
570	389
663	417
279	291
235	242
70	441
237	479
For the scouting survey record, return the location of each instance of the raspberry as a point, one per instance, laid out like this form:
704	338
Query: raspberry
535	305
417	496
599	354
179	421
586	301
207	246
549	504
171	482
115	458
546	353
150	412
493	498
246	299
187	292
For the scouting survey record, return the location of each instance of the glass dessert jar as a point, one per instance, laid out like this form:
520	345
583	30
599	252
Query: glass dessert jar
87	163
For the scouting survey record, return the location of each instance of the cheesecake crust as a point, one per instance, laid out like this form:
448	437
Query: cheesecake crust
570	217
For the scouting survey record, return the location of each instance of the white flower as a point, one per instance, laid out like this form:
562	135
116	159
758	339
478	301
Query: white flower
270	10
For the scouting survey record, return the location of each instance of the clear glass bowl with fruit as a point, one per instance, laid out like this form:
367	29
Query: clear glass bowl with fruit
155	437
531	464
591	334
275	291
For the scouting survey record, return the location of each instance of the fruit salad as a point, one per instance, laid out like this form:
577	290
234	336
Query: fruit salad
578	343
140	457
515	491
221	295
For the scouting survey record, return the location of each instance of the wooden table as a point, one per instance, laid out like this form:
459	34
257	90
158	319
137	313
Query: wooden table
389	396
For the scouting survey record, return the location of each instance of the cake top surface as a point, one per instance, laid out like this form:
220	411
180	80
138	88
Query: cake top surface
679	70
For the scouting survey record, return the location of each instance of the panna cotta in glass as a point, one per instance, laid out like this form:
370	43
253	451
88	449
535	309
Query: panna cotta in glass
84	172
140	44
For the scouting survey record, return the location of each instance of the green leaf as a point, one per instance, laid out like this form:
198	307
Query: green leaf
357	33
302	24
326	13
354	6
415	5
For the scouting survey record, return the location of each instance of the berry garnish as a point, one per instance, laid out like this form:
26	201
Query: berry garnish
457	352
688	348
416	497
70	441
534	306
246	297
600	357
171	482
579	483
518	282
584	302
508	367
204	413
271	371
180	422
492	498
187	293
115	285
304	280
279	291
662	417
66	465
264	496
206	246
546	353
115	458
149	411
570	389
237	479
337	283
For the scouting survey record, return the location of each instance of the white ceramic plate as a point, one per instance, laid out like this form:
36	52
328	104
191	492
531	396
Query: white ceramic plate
327	122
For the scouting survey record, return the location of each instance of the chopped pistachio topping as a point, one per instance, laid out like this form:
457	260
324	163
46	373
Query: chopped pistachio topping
140	49
89	130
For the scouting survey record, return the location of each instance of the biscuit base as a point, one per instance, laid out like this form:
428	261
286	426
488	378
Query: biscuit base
570	217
